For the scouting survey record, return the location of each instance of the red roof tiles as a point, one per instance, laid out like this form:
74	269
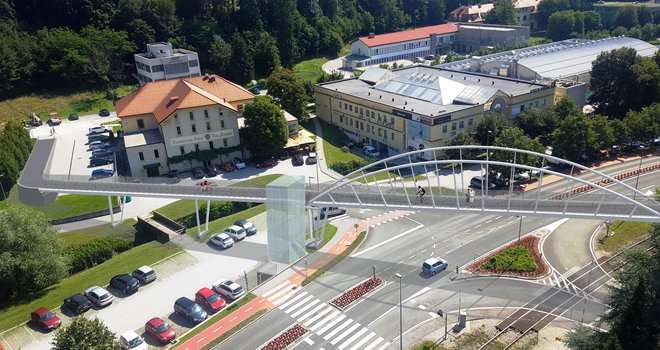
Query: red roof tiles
406	35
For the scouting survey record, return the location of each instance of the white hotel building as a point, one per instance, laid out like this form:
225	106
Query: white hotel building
162	62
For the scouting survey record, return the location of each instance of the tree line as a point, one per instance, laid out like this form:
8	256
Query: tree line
15	149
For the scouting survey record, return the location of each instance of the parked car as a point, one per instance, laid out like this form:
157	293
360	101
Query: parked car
434	265
126	283
297	160
144	274
479	182
255	90
73	116
222	240
98	296
311	158
99	145
227	167
238	163
101	173
104	137
130	340
55	119
369	151
104	113
160	330
235	232
210	300
198	173
228	289
97	130
331	211
189	310
102	153
249	227
522	176
45	319
210	170
267	163
98	161
77	303
174	174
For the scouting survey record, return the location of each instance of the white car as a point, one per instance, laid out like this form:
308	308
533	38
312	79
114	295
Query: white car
222	240
238	163
97	130
228	289
144	274
236	232
130	340
98	296
369	151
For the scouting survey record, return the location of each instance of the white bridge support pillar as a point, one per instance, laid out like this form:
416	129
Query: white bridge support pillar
112	216
199	230
208	210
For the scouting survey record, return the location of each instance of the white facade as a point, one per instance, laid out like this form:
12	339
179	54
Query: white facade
162	62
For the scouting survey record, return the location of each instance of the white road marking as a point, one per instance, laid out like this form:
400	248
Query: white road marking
338	329
273	290
309	341
278	294
345	334
364	340
305	308
285	297
433	315
388	240
217	329
200	339
422	307
422	291
319	315
293	300
331	324
374	344
353	338
412	256
302	302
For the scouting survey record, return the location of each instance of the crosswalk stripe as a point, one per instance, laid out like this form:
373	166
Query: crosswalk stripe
374	344
305	308
279	293
311	312
319	315
273	290
353	338
300	303
345	334
332	317
338	328
364	340
285	297
283	306
384	346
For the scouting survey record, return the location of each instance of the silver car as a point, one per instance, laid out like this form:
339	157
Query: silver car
228	289
434	265
222	240
98	296
235	232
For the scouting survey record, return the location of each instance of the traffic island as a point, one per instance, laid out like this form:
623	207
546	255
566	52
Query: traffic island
343	301
511	260
286	339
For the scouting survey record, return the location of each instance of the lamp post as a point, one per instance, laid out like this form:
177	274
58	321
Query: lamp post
397	275
487	156
488	138
519	231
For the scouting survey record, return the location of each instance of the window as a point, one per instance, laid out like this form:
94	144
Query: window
392	136
140	123
536	103
178	130
193	127
543	102
224	142
176	118
141	155
196	147
392	120
453	126
210	144
156	154
341	118
380	132
385	133
361	126
158	68
470	122
190	114
183	150
221	112
176	68
208	126
522	108
350	108
240	108
461	124
206	114
222	124
351	121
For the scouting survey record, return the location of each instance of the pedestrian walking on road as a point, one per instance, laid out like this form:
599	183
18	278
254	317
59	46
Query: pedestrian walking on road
420	193
470	197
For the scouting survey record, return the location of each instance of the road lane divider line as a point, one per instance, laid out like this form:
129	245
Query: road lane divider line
388	240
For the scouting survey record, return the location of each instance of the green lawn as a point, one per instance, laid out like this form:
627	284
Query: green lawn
178	209
506	260
74	238
63	102
65	205
259	181
220	224
428	345
18	311
333	140
624	233
330	231
310	70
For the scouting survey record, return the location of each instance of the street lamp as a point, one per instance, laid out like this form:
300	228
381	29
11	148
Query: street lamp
397	275
519	231
488	138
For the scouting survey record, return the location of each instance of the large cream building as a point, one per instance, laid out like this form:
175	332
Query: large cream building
421	107
170	118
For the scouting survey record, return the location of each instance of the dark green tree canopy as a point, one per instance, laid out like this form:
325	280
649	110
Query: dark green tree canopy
503	12
265	132
288	90
85	333
493	122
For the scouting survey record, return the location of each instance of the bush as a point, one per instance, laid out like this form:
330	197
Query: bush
345	149
506	260
349	166
86	255
218	210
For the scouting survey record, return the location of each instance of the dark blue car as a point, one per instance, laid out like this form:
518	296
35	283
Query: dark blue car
100	173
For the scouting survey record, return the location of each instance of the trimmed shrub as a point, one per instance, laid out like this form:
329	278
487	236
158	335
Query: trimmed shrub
349	166
86	255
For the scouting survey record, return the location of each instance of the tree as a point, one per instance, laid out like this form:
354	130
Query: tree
493	122
31	252
288	90
548	7
503	12
626	16
325	77
644	15
249	15
140	33
265	131
18	64
285	11
603	133
85	333
645	124
266	54
462	139
15	148
436	12
220	55
592	21
515	138
560	25
565	107
573	138
330	8
242	59
538	123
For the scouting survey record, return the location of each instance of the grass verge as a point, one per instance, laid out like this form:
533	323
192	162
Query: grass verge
217	317
510	261
258	182
428	345
318	273
310	70
330	231
178	209
65	205
219	224
333	140
18	311
624	233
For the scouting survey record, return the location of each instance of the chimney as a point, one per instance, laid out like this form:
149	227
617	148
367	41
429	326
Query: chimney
371	35
173	98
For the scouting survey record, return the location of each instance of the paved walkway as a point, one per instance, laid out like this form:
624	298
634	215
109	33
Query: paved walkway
320	153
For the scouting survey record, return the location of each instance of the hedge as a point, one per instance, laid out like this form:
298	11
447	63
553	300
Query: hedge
219	209
86	255
346	168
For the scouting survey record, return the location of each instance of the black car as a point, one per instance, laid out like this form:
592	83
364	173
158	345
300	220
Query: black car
102	153
98	161
73	116
174	174
77	303
249	227
198	173
104	113
297	160
98	137
126	283
190	310
210	170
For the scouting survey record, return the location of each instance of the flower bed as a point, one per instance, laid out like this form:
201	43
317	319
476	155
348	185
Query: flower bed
356	292
287	338
529	242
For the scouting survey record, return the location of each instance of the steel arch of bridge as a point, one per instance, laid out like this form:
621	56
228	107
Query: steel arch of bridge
579	198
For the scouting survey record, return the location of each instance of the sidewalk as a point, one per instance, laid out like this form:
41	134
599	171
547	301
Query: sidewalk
321	154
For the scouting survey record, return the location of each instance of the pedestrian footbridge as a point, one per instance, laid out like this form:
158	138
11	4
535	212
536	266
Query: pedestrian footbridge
383	185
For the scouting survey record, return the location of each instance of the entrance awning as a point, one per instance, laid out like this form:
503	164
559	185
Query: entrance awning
303	137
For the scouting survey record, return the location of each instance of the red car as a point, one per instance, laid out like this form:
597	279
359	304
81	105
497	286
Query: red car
267	163
160	330
46	319
209	299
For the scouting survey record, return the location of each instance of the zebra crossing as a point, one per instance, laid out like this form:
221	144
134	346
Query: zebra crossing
322	319
558	280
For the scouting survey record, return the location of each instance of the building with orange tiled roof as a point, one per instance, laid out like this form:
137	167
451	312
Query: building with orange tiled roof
171	118
526	11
